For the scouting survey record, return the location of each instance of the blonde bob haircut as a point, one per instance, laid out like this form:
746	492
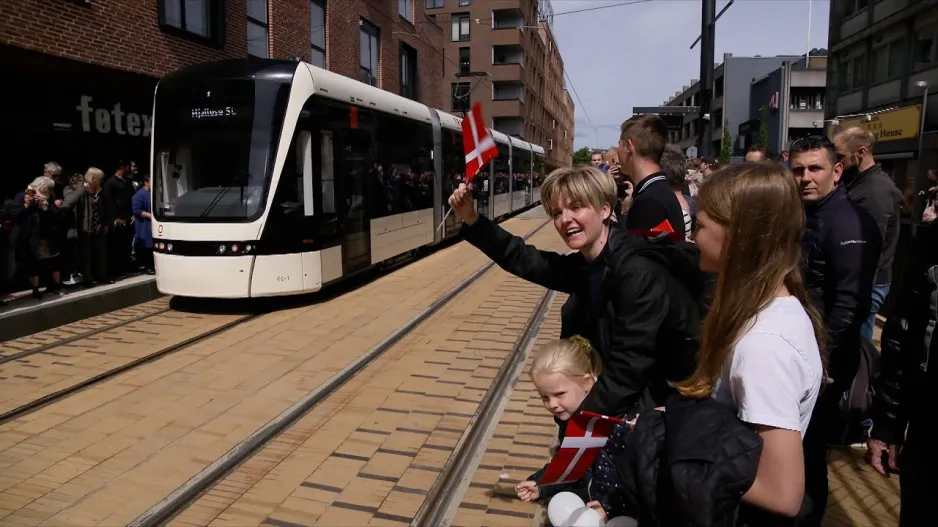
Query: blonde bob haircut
572	357
581	184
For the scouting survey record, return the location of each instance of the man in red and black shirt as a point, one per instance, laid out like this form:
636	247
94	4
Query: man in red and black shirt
654	206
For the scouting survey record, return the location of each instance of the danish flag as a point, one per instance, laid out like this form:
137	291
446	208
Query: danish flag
586	435
662	230
477	142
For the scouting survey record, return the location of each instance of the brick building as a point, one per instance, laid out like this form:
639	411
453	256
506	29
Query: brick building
79	75
502	53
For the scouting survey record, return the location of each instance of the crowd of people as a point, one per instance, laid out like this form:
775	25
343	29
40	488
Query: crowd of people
84	230
725	314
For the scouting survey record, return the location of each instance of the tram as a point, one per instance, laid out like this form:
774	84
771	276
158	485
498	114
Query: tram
277	177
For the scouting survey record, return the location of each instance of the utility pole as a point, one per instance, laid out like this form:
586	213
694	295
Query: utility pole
705	97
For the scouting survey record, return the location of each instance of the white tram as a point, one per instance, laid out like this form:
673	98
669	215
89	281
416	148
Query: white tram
277	177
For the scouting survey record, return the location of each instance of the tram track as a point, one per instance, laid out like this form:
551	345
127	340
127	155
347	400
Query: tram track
17	349
63	393
168	508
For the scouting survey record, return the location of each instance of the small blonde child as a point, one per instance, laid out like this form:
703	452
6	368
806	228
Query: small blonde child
563	372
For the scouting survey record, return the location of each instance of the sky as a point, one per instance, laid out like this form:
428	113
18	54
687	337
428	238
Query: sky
639	54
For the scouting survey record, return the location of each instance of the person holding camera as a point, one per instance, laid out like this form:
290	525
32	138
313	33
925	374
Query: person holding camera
654	207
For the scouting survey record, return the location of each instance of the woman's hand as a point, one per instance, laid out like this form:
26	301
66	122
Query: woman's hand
463	206
527	491
598	508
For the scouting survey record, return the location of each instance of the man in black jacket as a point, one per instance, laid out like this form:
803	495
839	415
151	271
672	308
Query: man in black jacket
634	299
841	246
654	205
901	404
868	186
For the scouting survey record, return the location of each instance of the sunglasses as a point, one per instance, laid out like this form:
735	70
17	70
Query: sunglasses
811	142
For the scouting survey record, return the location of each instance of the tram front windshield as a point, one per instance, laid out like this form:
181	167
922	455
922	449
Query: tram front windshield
214	144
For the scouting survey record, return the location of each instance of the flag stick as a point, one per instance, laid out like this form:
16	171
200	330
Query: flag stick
444	218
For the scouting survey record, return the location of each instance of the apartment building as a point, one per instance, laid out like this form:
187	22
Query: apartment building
79	75
502	54
730	105
883	64
789	101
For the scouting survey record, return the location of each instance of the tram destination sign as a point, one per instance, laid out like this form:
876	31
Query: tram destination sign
213	113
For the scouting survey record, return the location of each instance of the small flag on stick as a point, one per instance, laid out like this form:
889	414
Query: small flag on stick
478	145
586	435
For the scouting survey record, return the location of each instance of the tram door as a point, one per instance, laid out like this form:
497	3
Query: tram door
356	159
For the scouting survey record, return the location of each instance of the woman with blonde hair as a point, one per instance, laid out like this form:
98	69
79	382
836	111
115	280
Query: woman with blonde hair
635	300
37	233
761	345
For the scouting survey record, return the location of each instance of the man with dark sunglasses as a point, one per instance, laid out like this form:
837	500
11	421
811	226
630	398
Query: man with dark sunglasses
841	246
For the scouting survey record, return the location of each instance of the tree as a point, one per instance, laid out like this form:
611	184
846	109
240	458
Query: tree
764	129
726	148
581	156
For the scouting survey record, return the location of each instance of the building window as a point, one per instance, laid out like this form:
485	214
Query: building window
851	73
258	41
405	8
464	3
851	7
369	53
435	4
408	72
197	17
461	98
460	27
888	61
317	33
464	61
924	52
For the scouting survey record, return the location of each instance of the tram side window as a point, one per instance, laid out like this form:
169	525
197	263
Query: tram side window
538	170
405	179
521	169
502	169
454	163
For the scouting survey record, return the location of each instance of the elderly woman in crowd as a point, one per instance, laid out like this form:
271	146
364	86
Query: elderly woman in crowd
36	233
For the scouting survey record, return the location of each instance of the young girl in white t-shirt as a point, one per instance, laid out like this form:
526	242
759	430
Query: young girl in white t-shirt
761	345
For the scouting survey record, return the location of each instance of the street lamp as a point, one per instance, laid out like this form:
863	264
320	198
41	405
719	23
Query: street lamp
922	85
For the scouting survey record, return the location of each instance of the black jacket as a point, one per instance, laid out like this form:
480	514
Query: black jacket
902	390
644	319
877	194
688	466
120	193
841	245
653	202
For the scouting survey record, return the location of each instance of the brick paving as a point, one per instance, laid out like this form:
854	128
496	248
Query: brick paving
107	454
66	365
369	453
81	327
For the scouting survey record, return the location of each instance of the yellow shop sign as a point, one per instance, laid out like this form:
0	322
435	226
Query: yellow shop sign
892	125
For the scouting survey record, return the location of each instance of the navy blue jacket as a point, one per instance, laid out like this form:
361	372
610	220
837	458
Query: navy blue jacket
841	245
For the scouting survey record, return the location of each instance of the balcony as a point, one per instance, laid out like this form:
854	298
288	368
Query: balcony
508	91
508	55
508	19
502	109
507	37
509	125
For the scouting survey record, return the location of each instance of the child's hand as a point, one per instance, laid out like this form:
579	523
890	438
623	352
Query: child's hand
527	490
598	508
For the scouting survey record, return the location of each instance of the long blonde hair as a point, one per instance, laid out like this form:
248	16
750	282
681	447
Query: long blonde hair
573	357
759	205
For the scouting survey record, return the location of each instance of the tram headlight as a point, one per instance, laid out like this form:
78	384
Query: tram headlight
221	249
169	247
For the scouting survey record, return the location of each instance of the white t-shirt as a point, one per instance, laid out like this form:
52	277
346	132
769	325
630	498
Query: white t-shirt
773	375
